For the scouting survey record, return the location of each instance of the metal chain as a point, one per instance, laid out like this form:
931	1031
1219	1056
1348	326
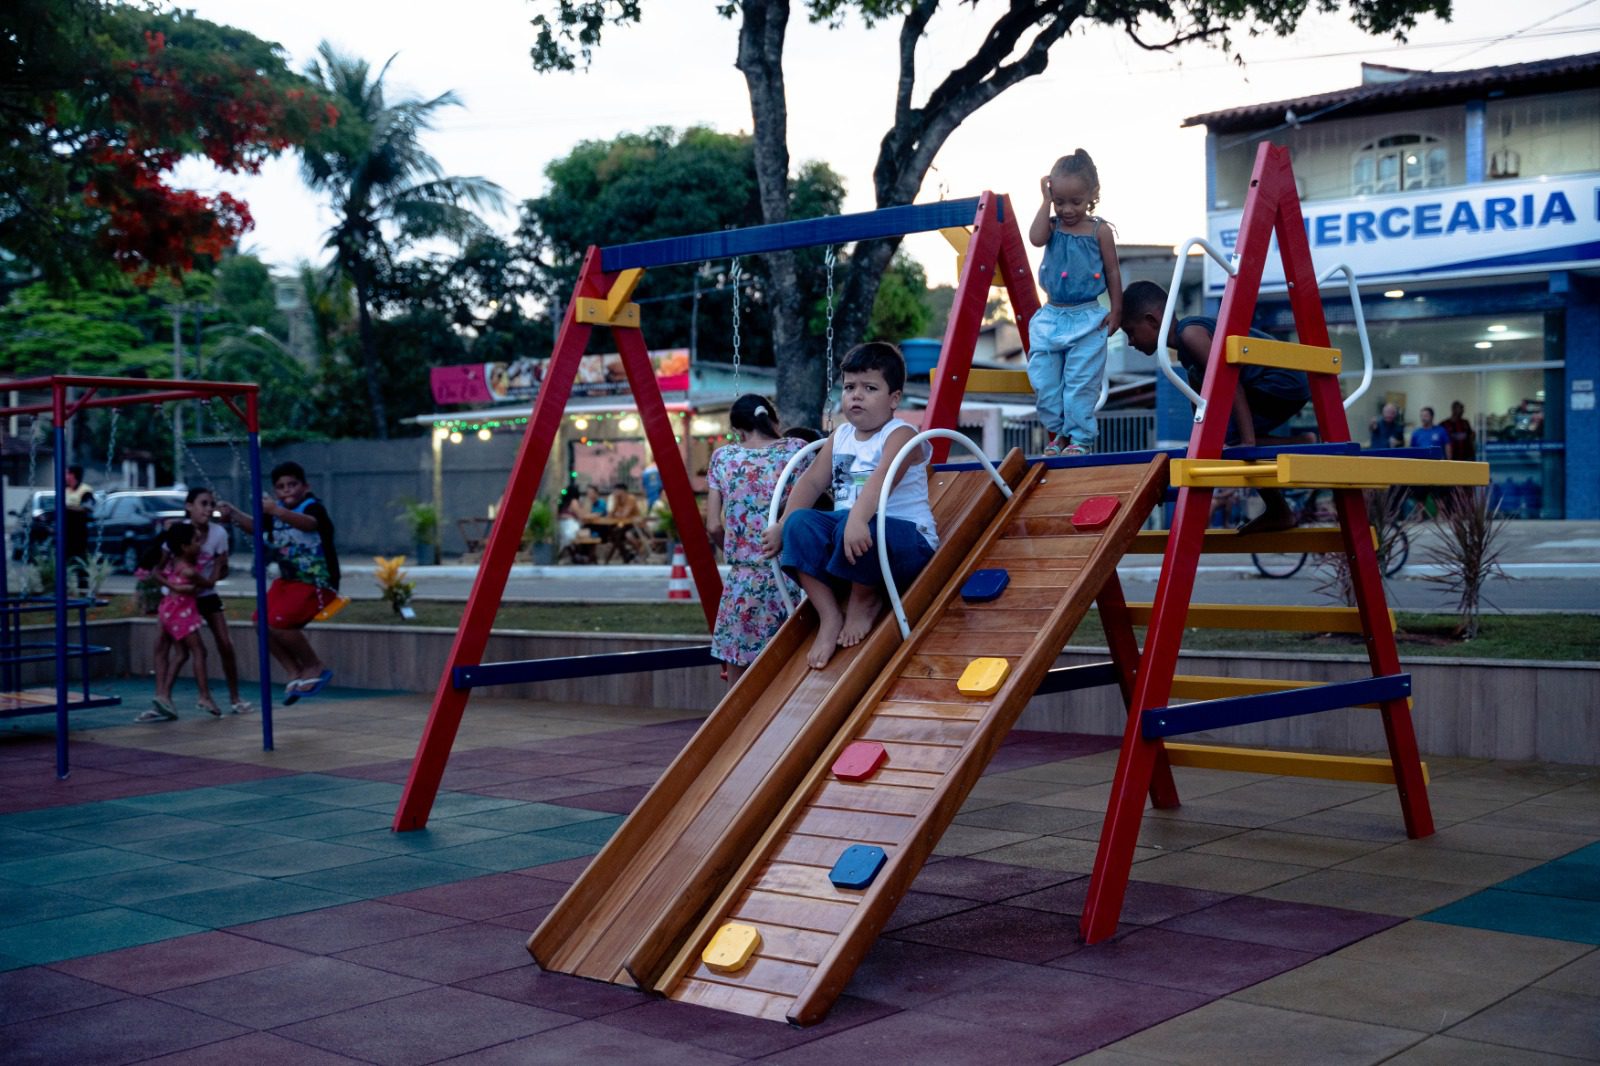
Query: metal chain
736	273
829	258
111	457
33	449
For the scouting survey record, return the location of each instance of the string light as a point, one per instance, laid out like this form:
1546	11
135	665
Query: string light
455	438
485	433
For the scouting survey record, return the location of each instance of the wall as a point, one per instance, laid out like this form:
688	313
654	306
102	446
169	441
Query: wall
1554	134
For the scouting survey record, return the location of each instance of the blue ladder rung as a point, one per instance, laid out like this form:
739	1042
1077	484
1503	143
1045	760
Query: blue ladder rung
1242	710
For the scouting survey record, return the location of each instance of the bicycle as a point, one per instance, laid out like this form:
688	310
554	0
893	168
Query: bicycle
1394	546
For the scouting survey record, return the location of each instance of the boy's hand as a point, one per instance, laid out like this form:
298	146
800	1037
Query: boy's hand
857	538
772	540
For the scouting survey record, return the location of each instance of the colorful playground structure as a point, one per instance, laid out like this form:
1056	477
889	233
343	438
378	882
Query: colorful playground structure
757	872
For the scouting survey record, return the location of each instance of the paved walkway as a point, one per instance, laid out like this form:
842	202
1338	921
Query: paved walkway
187	898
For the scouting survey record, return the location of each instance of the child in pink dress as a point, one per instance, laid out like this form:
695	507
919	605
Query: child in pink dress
180	624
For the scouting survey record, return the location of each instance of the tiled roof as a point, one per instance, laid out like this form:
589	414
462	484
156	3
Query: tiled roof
1421	89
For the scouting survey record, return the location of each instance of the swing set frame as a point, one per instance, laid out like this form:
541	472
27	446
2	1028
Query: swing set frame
71	394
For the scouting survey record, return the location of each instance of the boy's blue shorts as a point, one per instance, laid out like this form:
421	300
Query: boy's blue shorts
813	543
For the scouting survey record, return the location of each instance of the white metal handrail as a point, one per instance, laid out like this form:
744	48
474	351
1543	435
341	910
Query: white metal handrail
1361	329
915	443
774	508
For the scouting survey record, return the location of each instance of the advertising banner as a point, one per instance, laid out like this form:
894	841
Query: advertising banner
1500	227
518	382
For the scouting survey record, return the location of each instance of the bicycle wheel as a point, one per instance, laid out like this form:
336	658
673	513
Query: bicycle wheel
1278	564
1399	552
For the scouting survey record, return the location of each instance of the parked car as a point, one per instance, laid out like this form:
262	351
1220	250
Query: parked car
127	524
35	520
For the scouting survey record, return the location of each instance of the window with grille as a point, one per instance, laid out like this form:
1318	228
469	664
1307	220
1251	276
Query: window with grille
1403	161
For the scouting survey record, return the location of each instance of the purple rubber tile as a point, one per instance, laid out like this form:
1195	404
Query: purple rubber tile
459	953
918	907
612	801
558	992
1014	933
425	1027
1180	960
465	778
187	960
539	790
987	882
353	925
1145	903
736	1034
564	872
1298	926
914	1038
394	771
126	1030
254	1049
592	1042
482	897
37	992
530	764
523	921
294	992
479	757
1076	1012
904	974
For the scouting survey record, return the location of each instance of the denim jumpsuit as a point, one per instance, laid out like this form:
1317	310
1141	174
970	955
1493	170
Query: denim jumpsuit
1067	342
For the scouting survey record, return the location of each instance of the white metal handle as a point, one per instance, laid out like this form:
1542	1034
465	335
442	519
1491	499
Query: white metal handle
915	443
776	506
1171	310
1361	329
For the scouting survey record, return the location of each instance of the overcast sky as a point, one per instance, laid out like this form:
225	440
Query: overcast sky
1101	92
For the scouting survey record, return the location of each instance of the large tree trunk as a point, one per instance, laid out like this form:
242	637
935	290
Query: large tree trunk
761	37
369	355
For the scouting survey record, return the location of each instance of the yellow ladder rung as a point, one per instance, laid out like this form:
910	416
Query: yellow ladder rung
1197	687
1228	541
1305	471
1006	381
1284	763
1258	351
1257	616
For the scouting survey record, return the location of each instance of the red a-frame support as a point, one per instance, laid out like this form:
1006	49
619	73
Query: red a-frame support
1272	207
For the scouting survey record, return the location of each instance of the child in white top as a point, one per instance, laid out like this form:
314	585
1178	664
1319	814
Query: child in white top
201	505
827	550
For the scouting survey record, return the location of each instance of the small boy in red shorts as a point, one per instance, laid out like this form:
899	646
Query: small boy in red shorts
299	537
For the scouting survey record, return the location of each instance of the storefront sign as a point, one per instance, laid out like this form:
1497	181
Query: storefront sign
598	375
1495	228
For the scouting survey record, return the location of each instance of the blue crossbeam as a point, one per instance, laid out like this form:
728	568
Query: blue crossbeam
559	669
807	233
1074	678
1242	710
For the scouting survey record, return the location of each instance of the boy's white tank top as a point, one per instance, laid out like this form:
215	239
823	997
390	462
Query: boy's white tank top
854	462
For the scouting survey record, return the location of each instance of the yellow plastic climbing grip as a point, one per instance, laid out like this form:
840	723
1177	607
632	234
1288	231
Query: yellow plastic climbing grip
983	677
730	949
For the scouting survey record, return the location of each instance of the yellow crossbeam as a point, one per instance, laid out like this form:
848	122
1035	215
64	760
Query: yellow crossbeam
1228	541
1325	472
614	309
1256	351
1285	763
960	237
1257	616
1007	381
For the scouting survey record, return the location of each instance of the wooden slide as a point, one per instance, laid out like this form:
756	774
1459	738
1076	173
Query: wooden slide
747	823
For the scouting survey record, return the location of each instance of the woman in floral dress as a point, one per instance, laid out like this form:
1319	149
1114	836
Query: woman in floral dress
742	477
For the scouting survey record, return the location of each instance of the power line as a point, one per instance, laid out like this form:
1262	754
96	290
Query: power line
1519	33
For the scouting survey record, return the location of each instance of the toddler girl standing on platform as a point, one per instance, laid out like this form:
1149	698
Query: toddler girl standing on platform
1067	336
180	624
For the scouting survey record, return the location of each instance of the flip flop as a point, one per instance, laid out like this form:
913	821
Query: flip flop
293	690
312	686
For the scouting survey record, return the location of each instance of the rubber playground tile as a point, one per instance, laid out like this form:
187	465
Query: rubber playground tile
293	785
260	810
565	872
170	964
50	818
1402	897
125	1030
439	834
914	1036
217	908
984	881
528	817
286	860
612	801
595	832
127	830
325	823
447	956
20	905
1179	960
295	991
539	789
1297	926
1560	1023
1144	903
449	805
1452	1051
915	908
1570	880
203	845
736	1034
89	933
482	897
383	876
426	1026
184	801
1234	1032
512	852
1524	913
1589	855
256	1049
1028	818
24	844
593	1041
558	992
357	794
153	882
351	925
37	992
75	865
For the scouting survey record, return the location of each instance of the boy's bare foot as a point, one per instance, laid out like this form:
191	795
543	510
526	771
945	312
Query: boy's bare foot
860	615
1271	520
827	642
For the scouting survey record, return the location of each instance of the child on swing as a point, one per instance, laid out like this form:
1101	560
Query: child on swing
180	624
826	550
1067	336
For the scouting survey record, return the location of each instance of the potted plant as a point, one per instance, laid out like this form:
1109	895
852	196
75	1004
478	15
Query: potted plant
393	586
542	531
422	519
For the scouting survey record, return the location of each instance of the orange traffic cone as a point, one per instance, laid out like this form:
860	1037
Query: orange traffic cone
678	583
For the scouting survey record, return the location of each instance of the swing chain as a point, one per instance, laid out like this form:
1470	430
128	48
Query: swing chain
736	275
33	449
830	257
111	458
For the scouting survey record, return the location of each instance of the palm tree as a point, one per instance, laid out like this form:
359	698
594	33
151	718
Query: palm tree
385	189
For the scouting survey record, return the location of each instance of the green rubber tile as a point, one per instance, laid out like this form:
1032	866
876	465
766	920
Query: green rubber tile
460	804
126	830
362	794
1589	856
183	801
206	844
154	882
10	962
515	852
387	876
254	901
292	785
21	844
439	834
1572	880
327	822
286	860
1530	915
90	933
529	817
74	866
256	810
21	904
596	832
76	814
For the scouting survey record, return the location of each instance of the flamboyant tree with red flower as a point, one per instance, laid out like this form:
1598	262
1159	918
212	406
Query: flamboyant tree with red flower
100	102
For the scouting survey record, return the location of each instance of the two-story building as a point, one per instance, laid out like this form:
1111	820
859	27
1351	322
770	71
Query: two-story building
1468	204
